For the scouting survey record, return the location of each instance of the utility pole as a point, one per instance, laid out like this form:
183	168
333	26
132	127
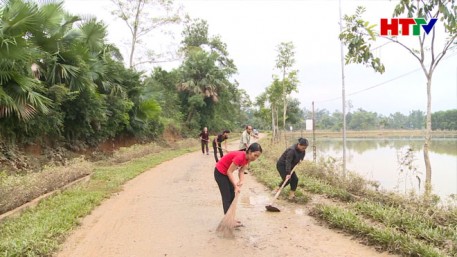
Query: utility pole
343	94
314	137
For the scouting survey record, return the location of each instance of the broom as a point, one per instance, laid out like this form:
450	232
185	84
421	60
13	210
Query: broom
228	223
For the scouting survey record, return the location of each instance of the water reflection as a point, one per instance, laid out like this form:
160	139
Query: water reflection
440	146
379	159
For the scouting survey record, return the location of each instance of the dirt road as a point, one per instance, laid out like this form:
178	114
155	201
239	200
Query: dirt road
174	209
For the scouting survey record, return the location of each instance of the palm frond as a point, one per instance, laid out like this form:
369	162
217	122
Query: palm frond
67	71
21	97
11	49
149	109
52	13
5	72
93	34
19	17
113	52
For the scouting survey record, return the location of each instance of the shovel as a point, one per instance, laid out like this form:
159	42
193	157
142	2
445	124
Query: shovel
271	207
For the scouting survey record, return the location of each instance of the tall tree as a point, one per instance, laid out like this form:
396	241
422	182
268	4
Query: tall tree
397	120
295	114
271	98
205	71
363	120
358	33
142	17
417	119
284	62
445	120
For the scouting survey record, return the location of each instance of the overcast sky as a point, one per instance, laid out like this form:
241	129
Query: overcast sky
252	30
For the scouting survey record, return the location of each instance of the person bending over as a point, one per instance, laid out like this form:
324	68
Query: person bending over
224	172
217	144
288	160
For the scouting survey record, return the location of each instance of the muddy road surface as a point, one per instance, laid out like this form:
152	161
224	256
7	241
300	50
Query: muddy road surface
175	208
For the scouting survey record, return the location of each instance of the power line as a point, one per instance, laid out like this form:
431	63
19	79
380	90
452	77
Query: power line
380	46
382	83
385	82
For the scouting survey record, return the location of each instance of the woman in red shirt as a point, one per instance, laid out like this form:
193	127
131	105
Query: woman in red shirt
225	168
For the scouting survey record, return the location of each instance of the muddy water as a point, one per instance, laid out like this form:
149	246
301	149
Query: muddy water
380	160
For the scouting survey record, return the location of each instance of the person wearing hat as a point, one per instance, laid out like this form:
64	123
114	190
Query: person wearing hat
286	163
217	143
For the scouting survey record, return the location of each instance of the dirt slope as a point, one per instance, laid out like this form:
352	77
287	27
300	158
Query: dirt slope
174	209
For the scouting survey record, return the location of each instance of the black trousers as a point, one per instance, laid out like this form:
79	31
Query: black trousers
293	181
204	143
215	151
226	188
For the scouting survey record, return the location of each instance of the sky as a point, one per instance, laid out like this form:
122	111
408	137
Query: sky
252	30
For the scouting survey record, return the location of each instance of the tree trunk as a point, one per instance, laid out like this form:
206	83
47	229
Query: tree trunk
284	119
135	32
132	51
190	115
428	139
284	98
278	133
273	130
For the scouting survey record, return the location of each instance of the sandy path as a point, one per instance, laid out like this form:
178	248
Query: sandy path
174	209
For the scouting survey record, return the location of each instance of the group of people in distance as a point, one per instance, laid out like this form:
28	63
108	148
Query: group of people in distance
224	171
217	142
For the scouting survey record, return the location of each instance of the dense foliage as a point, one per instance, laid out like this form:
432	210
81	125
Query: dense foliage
62	83
61	80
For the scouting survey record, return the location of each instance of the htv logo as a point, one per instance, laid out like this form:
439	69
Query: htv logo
405	25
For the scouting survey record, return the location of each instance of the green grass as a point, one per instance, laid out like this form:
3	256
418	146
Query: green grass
317	186
418	225
266	173
40	230
388	238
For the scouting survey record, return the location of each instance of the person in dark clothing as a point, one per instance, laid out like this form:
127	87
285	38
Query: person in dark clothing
204	138
288	160
217	143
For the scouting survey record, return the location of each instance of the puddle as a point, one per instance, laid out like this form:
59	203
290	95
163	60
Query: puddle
256	200
299	212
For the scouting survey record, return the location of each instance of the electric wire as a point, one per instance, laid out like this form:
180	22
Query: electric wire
382	83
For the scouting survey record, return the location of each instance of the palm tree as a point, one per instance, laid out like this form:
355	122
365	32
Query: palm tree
21	93
202	80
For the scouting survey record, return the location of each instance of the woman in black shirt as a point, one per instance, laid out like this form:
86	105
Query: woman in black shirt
288	160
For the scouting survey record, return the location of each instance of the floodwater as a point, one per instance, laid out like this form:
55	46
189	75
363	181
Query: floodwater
387	161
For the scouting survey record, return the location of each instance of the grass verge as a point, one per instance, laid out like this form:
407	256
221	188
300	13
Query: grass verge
16	190
386	238
409	225
39	231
